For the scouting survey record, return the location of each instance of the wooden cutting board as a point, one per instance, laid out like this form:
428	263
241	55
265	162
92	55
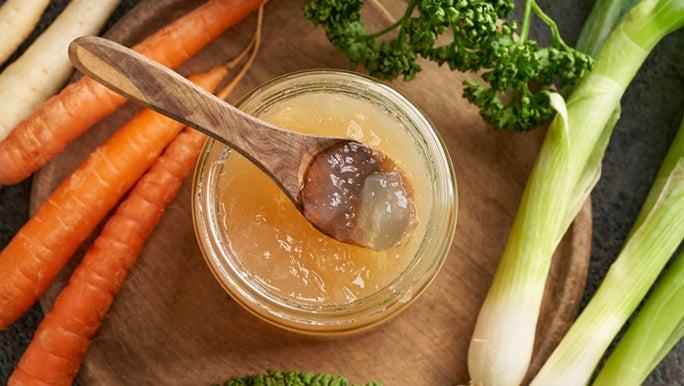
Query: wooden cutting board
172	324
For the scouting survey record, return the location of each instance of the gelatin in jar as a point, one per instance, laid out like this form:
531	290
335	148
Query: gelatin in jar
278	248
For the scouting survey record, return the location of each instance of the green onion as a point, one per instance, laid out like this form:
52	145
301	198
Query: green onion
567	168
604	16
655	236
658	326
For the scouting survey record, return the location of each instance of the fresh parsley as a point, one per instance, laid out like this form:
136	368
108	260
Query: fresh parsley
517	71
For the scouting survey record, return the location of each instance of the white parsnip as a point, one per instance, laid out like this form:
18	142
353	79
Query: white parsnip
17	19
44	67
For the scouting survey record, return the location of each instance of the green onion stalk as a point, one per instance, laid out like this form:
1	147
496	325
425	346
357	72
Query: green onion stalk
655	236
567	168
657	328
604	16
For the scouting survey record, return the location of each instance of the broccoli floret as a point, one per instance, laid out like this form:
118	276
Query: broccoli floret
292	378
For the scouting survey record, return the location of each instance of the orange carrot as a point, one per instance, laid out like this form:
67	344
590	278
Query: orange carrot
32	259
57	348
77	107
56	351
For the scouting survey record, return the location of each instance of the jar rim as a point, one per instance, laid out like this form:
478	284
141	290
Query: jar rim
369	310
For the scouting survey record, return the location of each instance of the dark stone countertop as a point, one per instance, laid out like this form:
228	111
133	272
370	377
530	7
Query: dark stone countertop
652	108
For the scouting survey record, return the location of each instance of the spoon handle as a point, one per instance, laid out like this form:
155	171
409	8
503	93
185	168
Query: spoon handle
283	154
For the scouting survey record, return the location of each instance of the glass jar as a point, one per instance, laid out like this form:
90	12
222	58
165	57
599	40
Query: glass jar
362	313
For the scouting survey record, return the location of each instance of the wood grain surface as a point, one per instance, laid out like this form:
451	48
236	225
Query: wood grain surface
172	324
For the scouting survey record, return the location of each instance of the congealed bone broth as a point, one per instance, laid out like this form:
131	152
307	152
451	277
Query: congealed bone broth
358	195
275	245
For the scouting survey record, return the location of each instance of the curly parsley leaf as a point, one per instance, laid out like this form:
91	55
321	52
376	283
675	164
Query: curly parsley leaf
517	72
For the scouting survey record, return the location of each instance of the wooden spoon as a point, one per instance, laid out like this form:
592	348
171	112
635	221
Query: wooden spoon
344	188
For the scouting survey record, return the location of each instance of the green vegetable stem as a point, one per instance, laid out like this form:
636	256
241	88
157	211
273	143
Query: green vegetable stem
567	168
605	15
655	236
518	72
657	328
